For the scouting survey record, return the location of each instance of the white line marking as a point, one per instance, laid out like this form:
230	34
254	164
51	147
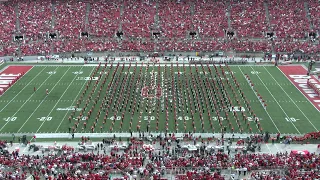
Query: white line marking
292	100
22	88
276	101
24	103
41	101
268	148
59	99
299	89
263	108
73	102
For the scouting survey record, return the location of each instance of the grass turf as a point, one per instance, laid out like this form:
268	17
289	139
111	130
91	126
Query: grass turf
23	110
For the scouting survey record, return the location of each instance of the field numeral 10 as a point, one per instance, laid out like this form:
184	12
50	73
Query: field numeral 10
8	119
45	118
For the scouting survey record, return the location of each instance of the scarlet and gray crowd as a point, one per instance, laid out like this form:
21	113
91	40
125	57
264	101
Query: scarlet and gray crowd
136	162
248	19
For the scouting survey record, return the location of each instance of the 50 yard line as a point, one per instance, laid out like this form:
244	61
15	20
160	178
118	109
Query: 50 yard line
22	88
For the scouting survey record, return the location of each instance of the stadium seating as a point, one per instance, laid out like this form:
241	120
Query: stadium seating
251	46
138	17
314	10
210	18
293	46
190	165
65	45
100	45
173	19
104	23
7	23
9	49
248	18
38	48
35	18
288	18
137	46
69	18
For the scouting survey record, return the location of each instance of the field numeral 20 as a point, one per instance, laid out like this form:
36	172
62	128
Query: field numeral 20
45	118
8	119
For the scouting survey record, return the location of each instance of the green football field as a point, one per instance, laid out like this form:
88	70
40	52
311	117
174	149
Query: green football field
154	98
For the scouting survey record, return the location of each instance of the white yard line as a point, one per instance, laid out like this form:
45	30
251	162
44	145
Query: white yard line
278	150
264	108
73	101
276	100
291	83
268	148
22	88
60	98
25	102
41	102
292	100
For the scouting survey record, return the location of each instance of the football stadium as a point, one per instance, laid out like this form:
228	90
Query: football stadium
148	89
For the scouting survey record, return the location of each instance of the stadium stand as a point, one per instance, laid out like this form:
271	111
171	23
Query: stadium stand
205	14
137	161
104	23
288	19
291	21
69	18
250	21
7	22
138	18
35	18
249	18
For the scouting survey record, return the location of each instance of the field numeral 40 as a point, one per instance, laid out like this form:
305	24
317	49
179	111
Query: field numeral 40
8	119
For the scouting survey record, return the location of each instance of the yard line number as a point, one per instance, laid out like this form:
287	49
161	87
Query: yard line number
52	72
45	118
255	72
8	119
152	118
78	72
215	118
291	119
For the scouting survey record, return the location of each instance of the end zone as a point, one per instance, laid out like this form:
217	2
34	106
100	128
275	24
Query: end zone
299	78
10	75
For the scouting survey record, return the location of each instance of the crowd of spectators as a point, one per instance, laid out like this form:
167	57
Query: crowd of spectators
291	46
69	18
7	23
174	20
104	23
35	18
314	10
248	18
288	19
138	18
136	161
205	14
